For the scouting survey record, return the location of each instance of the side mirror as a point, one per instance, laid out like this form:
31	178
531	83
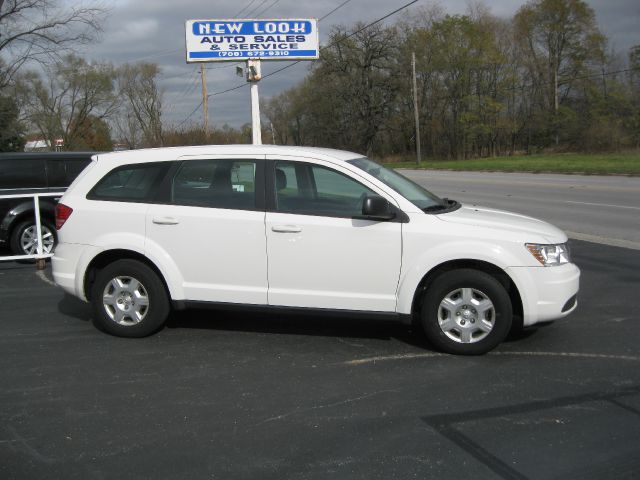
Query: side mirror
377	208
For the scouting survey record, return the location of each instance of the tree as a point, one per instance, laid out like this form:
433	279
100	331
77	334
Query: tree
139	121
11	129
96	136
560	38
42	30
355	82
70	101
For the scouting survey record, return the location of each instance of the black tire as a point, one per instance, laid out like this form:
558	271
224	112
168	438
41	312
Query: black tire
15	241
128	316
469	331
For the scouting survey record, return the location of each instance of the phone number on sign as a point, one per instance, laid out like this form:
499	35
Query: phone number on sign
276	53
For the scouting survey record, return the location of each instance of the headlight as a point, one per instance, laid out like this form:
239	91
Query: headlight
550	255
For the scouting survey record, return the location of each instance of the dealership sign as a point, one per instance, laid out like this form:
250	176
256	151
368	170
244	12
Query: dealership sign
219	40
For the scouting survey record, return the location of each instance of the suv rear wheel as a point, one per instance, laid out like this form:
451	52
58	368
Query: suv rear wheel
24	238
129	299
466	312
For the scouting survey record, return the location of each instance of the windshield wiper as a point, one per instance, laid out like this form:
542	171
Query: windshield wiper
447	204
435	208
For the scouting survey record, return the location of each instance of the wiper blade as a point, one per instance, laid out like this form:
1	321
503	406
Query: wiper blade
435	208
447	204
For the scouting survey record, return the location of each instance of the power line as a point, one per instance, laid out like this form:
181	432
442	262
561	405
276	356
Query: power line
256	8
323	48
268	8
334	10
337	42
183	93
191	114
243	9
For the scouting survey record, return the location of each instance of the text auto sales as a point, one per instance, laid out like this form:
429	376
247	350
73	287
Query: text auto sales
270	42
256	36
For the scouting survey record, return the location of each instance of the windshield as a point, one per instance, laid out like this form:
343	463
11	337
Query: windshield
413	192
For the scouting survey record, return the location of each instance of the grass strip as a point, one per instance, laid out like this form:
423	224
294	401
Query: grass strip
601	164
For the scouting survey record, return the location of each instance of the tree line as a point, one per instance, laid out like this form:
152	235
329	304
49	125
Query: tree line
49	92
486	86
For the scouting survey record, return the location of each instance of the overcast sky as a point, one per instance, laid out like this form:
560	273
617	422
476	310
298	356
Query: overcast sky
153	31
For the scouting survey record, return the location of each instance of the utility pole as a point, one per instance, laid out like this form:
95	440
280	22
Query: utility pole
205	101
415	106
555	104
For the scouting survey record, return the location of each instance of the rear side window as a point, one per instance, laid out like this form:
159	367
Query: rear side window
22	173
216	184
133	183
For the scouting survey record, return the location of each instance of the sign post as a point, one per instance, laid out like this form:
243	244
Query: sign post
253	76
253	41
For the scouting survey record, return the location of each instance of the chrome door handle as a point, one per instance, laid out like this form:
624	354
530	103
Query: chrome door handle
286	228
165	221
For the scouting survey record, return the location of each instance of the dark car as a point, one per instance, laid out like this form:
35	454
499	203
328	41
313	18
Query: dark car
29	173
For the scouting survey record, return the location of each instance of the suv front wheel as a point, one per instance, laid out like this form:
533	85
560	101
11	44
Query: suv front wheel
466	312
129	299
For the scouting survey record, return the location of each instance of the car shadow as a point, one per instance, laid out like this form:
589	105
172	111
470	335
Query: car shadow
74	307
296	324
280	323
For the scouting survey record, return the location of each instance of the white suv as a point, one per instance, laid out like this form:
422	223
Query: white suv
301	228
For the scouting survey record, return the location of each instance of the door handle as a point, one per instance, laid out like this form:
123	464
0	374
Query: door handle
165	221
286	228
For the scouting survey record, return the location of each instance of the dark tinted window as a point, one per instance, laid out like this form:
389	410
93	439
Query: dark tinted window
130	183
22	173
57	173
63	171
216	184
314	190
74	168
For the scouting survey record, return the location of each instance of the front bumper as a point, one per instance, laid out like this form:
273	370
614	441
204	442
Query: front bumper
547	293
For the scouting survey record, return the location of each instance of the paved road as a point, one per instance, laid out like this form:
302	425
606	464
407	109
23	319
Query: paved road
593	208
236	396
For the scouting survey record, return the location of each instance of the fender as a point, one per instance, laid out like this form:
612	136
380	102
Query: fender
427	259
134	243
168	268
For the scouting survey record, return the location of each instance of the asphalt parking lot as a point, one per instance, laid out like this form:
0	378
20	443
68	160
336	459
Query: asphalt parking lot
229	395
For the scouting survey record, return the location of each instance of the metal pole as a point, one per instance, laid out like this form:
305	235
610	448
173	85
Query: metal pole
254	75
205	100
415	107
40	262
255	115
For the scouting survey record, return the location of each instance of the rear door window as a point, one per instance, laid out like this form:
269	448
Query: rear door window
216	184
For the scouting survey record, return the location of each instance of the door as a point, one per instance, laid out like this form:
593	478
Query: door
212	232
320	256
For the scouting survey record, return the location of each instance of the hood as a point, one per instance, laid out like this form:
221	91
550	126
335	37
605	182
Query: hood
527	229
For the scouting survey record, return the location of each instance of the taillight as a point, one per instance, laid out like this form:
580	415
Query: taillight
62	214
